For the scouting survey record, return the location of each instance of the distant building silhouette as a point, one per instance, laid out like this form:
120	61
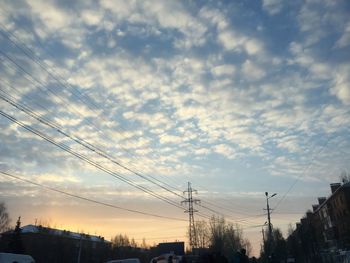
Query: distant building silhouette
46	244
177	248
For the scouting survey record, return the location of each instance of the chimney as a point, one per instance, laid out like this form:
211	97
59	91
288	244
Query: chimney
334	187
321	200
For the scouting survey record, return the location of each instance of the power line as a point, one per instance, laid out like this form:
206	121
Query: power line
29	112
103	154
53	126
90	146
83	143
84	158
307	167
87	199
238	211
59	79
64	83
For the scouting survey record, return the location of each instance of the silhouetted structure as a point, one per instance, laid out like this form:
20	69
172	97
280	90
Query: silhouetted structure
46	244
178	248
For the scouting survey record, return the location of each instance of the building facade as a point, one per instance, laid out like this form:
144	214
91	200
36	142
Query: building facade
324	232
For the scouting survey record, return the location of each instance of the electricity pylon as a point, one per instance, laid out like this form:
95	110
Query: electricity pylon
191	211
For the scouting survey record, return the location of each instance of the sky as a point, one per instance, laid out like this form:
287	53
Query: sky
125	102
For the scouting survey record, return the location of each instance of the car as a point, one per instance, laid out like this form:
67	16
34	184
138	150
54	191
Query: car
126	260
165	257
18	258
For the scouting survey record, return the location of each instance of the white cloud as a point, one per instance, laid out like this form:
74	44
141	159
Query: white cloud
56	178
225	150
122	9
92	17
161	14
164	139
319	19
65	121
273	7
236	41
309	18
252	71
52	16
202	151
290	143
223	70
253	47
344	40
231	40
321	70
136	143
341	85
160	111
214	17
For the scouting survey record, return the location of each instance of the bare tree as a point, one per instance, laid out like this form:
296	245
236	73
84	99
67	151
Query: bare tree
4	218
133	243
120	241
217	233
233	238
144	244
202	233
226	238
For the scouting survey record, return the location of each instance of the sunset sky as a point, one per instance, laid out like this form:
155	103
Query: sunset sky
236	97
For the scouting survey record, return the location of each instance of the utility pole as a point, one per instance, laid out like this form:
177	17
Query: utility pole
269	241
268	215
191	211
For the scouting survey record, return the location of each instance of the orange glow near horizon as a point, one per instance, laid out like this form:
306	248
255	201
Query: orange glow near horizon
152	230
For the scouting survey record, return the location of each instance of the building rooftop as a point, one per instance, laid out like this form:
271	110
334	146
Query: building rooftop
58	232
340	188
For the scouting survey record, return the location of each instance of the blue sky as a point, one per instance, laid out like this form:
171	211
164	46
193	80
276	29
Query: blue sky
237	97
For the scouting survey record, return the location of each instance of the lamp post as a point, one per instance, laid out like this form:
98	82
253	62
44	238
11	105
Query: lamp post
269	220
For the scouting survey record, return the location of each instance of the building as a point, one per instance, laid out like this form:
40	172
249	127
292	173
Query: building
325	231
339	207
334	213
46	244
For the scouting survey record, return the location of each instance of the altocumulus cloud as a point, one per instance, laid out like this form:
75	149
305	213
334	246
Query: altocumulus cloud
183	91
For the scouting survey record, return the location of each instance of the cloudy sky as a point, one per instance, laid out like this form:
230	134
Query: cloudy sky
124	102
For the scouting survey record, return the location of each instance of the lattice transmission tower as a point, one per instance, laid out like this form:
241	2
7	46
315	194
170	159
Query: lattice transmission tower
191	211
